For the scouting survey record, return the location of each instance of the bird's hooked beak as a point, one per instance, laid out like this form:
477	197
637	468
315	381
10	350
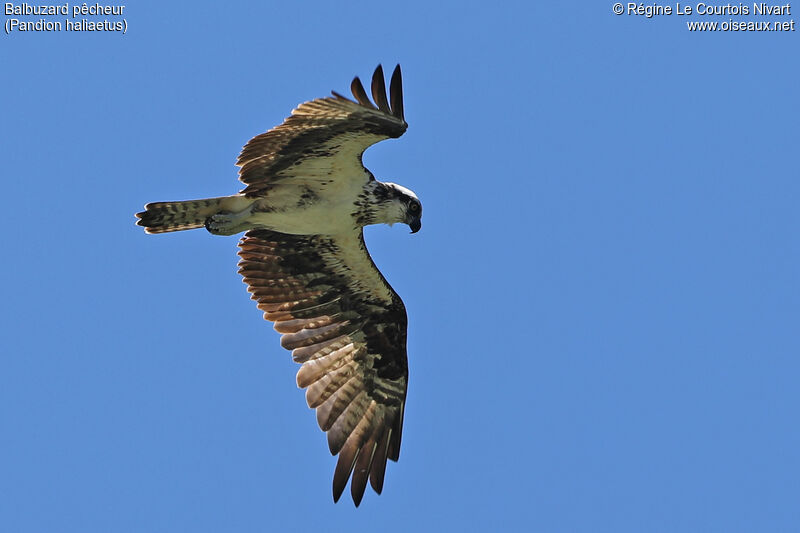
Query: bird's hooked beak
415	224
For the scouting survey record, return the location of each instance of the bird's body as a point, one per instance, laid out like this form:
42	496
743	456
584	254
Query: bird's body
304	259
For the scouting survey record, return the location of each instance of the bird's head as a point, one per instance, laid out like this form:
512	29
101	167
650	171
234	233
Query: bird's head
406	207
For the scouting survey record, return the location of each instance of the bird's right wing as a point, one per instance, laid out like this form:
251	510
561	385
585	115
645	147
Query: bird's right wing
324	139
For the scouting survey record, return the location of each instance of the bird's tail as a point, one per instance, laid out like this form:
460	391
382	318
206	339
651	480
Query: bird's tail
163	217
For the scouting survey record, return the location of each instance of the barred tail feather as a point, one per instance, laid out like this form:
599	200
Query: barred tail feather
162	217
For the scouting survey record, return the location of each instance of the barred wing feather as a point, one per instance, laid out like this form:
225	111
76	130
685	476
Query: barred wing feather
325	137
347	327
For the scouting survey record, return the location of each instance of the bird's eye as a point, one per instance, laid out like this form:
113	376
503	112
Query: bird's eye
413	207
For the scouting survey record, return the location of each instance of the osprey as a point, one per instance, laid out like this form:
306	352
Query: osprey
303	257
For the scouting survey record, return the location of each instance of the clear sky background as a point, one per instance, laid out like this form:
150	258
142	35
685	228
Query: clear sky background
603	300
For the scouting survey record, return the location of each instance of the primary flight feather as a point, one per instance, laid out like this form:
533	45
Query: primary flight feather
303	257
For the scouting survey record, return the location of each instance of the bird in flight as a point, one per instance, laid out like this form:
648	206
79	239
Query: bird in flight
306	200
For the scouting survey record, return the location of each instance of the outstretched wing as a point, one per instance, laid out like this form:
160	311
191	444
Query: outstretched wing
347	327
325	137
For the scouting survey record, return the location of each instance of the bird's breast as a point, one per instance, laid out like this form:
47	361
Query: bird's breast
302	209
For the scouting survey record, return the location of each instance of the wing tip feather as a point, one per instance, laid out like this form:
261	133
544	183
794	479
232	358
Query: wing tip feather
393	105
357	88
379	90
396	93
344	466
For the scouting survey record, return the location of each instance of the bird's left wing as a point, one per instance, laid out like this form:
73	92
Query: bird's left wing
347	327
325	138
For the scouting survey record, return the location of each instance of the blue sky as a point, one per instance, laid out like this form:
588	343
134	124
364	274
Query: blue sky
603	300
